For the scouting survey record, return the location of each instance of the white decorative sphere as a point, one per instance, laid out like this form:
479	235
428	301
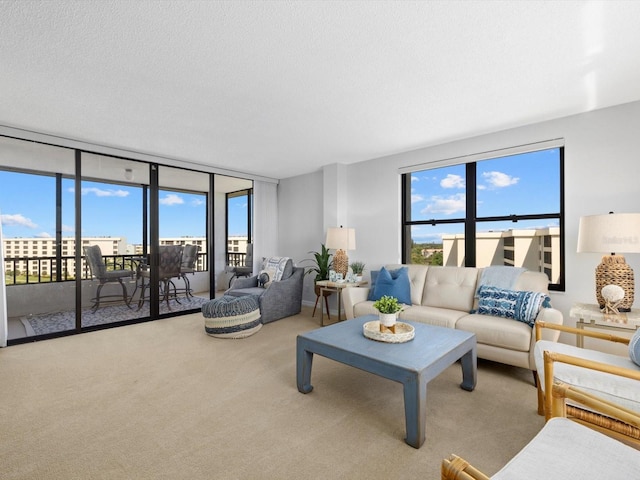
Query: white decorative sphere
613	293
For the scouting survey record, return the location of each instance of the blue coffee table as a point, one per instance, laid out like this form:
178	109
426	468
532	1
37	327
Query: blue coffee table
414	363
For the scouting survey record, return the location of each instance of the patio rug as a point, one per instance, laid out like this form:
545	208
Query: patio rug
61	321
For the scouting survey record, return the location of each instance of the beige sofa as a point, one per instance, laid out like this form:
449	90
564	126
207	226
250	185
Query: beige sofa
444	296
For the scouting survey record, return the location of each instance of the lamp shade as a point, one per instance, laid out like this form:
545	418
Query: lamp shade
613	232
340	238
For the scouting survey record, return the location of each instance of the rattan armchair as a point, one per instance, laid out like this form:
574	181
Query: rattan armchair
613	377
563	448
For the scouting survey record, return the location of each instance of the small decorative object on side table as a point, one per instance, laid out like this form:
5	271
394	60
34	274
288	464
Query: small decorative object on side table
590	315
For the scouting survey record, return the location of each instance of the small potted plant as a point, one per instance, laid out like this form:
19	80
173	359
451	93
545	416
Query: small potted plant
357	268
389	307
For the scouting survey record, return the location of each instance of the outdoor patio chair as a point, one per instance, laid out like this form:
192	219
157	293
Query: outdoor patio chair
615	378
188	265
170	260
99	270
243	270
563	448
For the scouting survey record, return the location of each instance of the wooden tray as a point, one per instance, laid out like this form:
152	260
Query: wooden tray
404	332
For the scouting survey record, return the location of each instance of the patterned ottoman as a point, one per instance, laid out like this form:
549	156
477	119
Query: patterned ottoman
232	317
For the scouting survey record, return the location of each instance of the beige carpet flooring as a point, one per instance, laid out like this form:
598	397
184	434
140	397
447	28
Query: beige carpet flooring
163	400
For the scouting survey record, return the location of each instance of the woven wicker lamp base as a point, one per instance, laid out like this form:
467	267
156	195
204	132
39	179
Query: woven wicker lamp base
614	270
341	262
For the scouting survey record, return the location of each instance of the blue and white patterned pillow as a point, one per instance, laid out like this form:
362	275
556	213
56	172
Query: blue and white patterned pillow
278	268
522	306
634	348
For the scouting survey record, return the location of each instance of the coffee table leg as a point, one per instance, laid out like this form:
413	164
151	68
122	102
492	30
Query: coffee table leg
469	370
304	361
415	409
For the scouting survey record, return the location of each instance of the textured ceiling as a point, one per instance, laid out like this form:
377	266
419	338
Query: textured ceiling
281	88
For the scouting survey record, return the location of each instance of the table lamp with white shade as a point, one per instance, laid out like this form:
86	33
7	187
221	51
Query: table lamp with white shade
616	233
341	239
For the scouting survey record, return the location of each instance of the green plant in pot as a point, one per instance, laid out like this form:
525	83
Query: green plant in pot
357	268
389	307
323	262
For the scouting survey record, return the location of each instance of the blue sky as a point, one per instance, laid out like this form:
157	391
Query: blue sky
27	206
521	184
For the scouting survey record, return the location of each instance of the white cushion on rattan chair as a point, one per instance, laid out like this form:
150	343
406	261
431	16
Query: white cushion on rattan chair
565	449
623	391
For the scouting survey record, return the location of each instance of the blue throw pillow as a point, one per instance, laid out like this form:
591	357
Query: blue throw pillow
517	305
634	348
393	283
374	277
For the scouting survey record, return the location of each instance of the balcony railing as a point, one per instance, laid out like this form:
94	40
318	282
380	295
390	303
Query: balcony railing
236	259
43	269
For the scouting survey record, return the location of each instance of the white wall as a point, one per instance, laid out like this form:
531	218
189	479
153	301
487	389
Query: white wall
602	173
301	227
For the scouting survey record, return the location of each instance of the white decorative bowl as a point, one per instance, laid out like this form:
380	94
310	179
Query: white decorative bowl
404	332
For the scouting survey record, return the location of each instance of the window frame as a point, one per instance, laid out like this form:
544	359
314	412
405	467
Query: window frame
471	220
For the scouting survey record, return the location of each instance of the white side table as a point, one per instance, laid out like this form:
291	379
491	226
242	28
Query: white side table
589	315
327	286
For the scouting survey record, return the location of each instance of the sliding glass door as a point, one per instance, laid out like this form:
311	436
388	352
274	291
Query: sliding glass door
182	205
86	236
112	198
37	222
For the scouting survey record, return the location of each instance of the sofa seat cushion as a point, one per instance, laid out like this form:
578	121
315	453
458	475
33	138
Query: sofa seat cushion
364	308
497	331
621	390
440	317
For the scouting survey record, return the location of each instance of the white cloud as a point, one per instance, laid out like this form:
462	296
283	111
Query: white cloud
17	220
452	181
99	192
499	179
447	205
67	228
43	235
414	179
197	202
172	199
416	198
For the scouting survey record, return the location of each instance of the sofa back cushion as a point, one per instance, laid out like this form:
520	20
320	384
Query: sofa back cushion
450	287
417	279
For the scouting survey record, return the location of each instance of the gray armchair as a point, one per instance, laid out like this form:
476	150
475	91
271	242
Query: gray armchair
279	299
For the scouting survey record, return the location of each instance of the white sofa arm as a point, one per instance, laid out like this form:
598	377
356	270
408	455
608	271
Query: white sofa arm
352	296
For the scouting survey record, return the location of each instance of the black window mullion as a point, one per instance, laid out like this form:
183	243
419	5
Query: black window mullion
470	220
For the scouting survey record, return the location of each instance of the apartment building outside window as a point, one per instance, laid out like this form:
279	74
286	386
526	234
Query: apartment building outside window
501	210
